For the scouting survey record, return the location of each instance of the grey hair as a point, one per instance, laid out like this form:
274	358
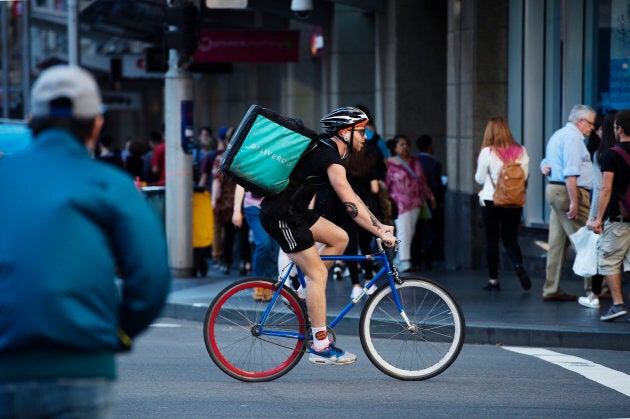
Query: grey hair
580	112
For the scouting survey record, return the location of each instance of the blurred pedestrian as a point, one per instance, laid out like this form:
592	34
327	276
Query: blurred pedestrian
408	187
605	140
206	181
427	243
63	315
106	151
498	149
375	143
264	261
362	171
223	206
206	143
594	138
155	139
158	162
134	163
214	151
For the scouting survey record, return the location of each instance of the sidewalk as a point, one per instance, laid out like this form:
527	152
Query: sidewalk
510	316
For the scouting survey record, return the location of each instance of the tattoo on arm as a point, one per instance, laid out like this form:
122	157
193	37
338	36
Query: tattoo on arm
373	219
351	209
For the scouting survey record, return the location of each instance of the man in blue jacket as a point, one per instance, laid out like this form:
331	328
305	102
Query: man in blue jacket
67	223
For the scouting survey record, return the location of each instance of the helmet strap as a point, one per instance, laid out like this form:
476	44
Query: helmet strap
347	142
351	140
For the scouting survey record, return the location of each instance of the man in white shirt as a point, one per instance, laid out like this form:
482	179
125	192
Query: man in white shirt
570	170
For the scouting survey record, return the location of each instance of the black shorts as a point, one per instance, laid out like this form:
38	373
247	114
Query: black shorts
294	235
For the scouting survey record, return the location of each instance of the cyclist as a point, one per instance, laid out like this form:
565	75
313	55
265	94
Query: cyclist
288	219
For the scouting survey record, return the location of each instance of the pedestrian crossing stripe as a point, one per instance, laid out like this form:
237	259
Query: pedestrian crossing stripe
605	376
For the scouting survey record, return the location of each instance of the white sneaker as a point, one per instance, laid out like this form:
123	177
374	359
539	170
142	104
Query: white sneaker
590	301
331	356
356	291
301	292
371	290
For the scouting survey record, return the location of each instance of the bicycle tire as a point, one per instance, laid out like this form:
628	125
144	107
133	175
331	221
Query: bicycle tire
232	340
426	350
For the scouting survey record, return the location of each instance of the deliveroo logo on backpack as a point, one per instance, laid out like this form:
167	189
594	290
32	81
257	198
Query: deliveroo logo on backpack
269	153
274	144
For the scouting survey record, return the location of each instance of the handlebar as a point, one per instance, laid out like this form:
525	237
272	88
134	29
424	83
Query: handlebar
390	252
380	242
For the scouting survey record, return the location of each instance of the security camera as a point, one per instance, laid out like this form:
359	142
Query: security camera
302	8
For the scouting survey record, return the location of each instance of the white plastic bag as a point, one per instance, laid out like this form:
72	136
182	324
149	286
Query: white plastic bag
585	242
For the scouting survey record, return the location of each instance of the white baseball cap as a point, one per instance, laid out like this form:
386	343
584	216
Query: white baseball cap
70	82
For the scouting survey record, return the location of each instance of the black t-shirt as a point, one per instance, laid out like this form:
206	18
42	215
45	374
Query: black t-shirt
309	175
329	205
614	162
361	169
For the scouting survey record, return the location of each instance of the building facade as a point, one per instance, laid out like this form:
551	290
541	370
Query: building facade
441	68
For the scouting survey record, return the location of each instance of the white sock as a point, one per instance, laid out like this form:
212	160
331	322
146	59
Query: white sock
320	338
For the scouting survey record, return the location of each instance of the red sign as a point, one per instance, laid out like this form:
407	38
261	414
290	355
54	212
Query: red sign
16	9
247	46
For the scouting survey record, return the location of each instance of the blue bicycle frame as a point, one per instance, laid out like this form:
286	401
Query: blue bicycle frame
387	269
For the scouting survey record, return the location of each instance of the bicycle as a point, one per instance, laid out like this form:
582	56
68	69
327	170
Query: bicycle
411	329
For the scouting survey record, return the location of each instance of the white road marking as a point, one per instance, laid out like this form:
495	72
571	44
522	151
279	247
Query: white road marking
166	325
605	376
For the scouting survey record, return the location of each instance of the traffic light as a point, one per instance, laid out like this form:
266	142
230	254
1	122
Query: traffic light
184	37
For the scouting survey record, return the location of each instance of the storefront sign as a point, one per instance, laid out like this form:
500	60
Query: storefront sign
247	46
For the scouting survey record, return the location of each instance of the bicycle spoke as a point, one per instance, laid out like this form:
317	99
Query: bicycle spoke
236	342
235	323
422	349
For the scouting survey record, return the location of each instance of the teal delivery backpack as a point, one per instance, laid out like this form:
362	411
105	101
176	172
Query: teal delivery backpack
264	150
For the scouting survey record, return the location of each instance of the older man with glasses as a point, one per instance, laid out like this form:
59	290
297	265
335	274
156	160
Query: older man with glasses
570	171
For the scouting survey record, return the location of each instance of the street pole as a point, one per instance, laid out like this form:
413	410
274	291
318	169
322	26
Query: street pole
73	32
179	187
